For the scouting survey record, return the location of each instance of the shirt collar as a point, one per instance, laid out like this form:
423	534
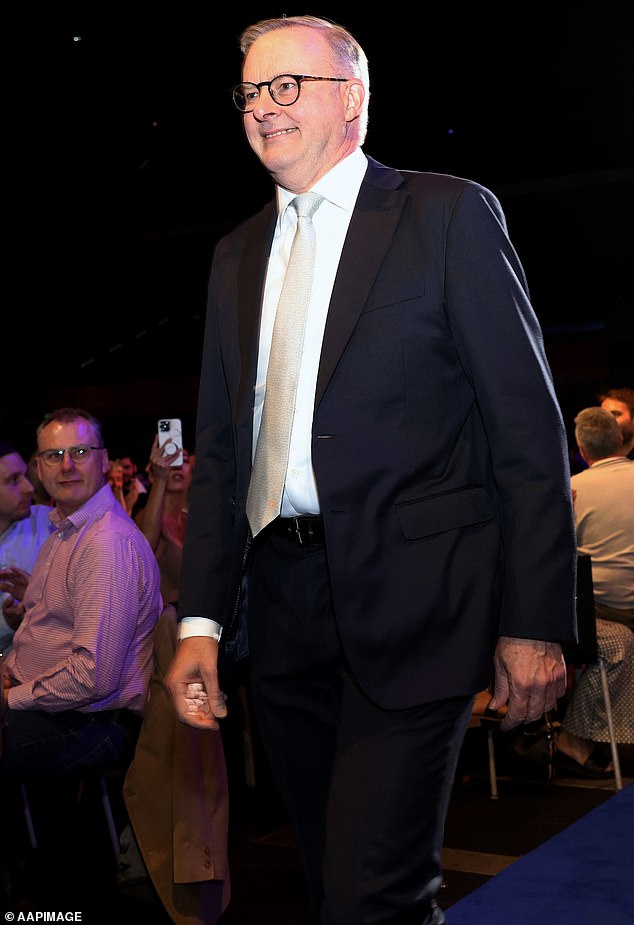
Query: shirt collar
609	460
340	185
100	502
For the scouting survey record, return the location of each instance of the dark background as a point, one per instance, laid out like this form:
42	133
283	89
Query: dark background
128	161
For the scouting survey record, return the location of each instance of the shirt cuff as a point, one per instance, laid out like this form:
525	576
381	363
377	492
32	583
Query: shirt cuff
199	626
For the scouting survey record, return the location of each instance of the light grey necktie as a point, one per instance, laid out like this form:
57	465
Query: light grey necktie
264	498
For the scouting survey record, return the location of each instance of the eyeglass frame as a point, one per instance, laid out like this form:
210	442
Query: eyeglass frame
298	78
58	458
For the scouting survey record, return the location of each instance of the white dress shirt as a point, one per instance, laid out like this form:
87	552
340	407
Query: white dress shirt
339	188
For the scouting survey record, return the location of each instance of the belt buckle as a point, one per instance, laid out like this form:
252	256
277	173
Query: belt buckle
298	531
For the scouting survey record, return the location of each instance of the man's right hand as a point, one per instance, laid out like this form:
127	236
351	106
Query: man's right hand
193	683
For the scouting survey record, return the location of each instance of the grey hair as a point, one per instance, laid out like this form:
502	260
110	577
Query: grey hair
346	51
598	433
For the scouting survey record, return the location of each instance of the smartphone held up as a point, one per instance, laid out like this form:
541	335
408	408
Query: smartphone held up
170	436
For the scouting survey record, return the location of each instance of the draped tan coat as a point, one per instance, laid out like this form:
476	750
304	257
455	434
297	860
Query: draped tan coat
176	794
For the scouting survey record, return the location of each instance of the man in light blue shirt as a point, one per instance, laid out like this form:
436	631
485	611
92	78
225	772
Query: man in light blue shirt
23	528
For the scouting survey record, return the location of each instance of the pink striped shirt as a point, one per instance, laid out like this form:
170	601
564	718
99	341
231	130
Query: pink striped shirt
85	642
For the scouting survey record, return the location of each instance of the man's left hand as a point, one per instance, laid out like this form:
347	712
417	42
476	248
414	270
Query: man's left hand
530	677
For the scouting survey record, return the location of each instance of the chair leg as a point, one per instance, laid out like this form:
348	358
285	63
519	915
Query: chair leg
608	712
107	808
28	818
493	778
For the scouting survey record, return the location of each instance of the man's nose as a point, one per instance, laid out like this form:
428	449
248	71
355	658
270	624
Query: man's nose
67	460
265	104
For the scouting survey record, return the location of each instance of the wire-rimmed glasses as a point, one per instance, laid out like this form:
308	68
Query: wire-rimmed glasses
79	454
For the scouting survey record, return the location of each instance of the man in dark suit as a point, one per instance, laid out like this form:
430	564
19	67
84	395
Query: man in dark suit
425	536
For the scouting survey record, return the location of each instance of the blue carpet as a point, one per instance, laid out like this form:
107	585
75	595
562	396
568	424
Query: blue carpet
582	876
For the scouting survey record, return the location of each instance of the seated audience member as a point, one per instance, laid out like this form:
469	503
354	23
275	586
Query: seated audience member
23	528
78	672
620	403
172	758
40	496
163	519
604	520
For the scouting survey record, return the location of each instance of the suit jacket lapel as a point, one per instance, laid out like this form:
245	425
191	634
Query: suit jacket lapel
251	276
374	221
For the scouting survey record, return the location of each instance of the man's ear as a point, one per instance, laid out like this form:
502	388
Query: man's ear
355	96
583	453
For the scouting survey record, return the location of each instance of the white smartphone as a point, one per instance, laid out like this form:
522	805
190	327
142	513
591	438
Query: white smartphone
171	429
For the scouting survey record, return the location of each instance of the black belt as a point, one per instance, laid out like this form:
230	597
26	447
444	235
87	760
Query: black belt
307	530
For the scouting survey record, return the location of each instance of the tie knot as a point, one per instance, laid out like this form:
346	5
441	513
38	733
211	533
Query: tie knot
306	204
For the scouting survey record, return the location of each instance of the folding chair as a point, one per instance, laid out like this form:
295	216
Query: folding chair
578	656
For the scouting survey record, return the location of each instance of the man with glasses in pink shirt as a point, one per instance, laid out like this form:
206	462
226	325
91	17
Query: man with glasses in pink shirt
77	675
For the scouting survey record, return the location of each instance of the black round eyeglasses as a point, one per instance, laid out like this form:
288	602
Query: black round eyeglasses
284	90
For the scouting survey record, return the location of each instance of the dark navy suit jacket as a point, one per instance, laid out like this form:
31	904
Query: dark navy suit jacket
438	445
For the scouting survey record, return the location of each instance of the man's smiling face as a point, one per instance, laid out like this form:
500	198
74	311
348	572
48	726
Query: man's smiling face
299	143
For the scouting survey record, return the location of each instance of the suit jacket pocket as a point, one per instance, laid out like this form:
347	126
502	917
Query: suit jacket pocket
391	292
448	511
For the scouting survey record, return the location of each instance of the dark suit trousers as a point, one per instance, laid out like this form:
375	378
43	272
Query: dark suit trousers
365	789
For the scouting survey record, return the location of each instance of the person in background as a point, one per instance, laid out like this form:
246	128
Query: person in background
163	519
604	520
135	486
78	671
177	759
24	526
40	495
114	477
425	537
620	403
